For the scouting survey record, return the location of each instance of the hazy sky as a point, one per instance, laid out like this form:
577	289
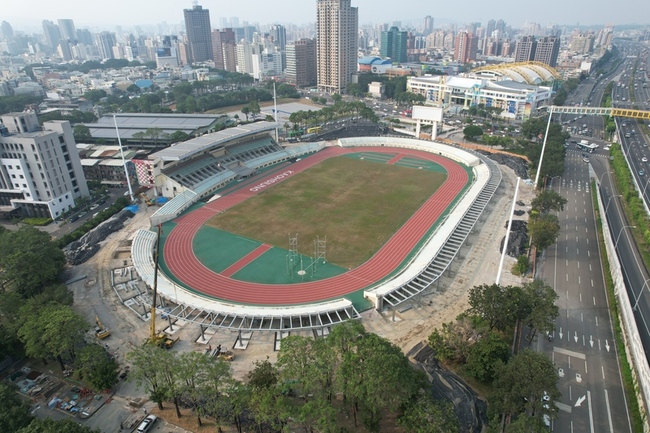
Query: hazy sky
107	14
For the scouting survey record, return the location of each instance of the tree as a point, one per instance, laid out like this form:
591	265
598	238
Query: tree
427	415
264	375
96	367
246	111
140	136
499	306
336	97
30	261
543	231
147	363
177	136
472	131
55	330
542	310
14	413
520	385
133	88
548	200
48	425
95	95
81	133
254	107
484	354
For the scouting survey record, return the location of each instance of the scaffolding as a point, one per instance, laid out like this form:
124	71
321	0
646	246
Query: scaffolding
292	256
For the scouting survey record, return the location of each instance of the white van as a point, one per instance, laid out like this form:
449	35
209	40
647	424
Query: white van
147	423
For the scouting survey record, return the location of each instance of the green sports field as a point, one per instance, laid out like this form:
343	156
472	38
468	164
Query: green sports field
357	202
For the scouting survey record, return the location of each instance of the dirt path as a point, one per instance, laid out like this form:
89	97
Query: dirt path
94	296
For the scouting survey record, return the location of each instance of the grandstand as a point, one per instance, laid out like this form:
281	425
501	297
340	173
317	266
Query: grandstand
189	171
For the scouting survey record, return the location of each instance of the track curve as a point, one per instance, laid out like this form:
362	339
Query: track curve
180	258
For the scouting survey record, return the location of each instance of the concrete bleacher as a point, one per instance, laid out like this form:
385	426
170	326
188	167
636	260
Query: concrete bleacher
209	312
174	207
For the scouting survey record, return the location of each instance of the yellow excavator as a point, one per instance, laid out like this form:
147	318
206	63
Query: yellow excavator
147	200
100	330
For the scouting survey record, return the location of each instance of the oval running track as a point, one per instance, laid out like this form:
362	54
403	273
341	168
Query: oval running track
182	262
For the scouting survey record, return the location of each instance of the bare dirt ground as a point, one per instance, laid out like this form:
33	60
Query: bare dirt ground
94	296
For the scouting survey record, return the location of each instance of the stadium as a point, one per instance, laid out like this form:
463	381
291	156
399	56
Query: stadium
260	237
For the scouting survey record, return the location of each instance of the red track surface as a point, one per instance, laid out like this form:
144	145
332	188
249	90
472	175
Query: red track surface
179	254
241	263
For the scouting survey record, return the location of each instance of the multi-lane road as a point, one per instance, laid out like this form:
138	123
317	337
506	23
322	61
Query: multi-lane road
582	347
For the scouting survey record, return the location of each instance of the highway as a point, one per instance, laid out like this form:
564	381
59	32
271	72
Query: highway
582	348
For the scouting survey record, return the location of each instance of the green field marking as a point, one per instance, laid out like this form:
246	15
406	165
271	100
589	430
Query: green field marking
417	163
356	204
371	156
218	249
272	268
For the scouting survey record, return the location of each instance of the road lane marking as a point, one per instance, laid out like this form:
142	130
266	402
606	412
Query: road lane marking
596	320
586	369
592	283
569	353
580	296
590	266
609	412
594	300
602	368
578	279
591	414
563	407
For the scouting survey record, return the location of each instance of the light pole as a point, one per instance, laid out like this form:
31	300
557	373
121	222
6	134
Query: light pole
541	156
636	302
621	232
610	199
603	175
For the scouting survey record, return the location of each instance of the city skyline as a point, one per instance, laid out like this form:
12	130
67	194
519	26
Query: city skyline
127	13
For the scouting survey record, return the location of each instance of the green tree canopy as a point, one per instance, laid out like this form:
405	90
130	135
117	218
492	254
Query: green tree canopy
472	131
95	367
543	230
427	415
14	413
48	425
82	133
548	200
29	261
178	136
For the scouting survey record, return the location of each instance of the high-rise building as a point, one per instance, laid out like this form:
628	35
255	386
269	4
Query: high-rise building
548	48
337	24
40	170
67	29
544	50
301	63
105	42
84	36
199	38
52	33
224	49
394	44
6	31
525	49
465	47
64	50
583	43
428	25
279	35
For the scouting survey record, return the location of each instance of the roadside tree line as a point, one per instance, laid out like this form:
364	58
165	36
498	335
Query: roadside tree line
313	385
478	343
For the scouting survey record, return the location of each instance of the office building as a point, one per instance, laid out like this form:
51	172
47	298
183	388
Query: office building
544	50
337	24
548	48
105	42
301	63
525	49
40	170
67	29
199	38
428	25
394	45
465	47
582	43
224	49
52	34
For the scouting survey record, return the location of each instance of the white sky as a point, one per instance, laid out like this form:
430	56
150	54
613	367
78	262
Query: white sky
28	14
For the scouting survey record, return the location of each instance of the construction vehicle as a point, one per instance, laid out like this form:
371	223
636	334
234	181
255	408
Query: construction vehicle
147	200
163	340
100	331
226	356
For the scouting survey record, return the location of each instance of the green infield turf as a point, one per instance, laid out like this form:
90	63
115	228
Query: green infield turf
355	203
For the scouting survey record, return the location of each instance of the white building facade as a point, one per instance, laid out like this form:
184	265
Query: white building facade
40	170
516	100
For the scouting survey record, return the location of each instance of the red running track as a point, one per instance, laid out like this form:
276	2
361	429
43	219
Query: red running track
179	254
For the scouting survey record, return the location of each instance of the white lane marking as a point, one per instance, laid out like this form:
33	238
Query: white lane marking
569	353
586	369
594	300
591	414
596	320
602	369
580	296
592	283
609	412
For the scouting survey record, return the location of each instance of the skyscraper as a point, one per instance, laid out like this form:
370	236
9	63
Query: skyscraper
337	24
465	47
52	33
428	25
301	63
393	45
525	49
224	49
548	48
105	42
7	31
199	39
67	29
